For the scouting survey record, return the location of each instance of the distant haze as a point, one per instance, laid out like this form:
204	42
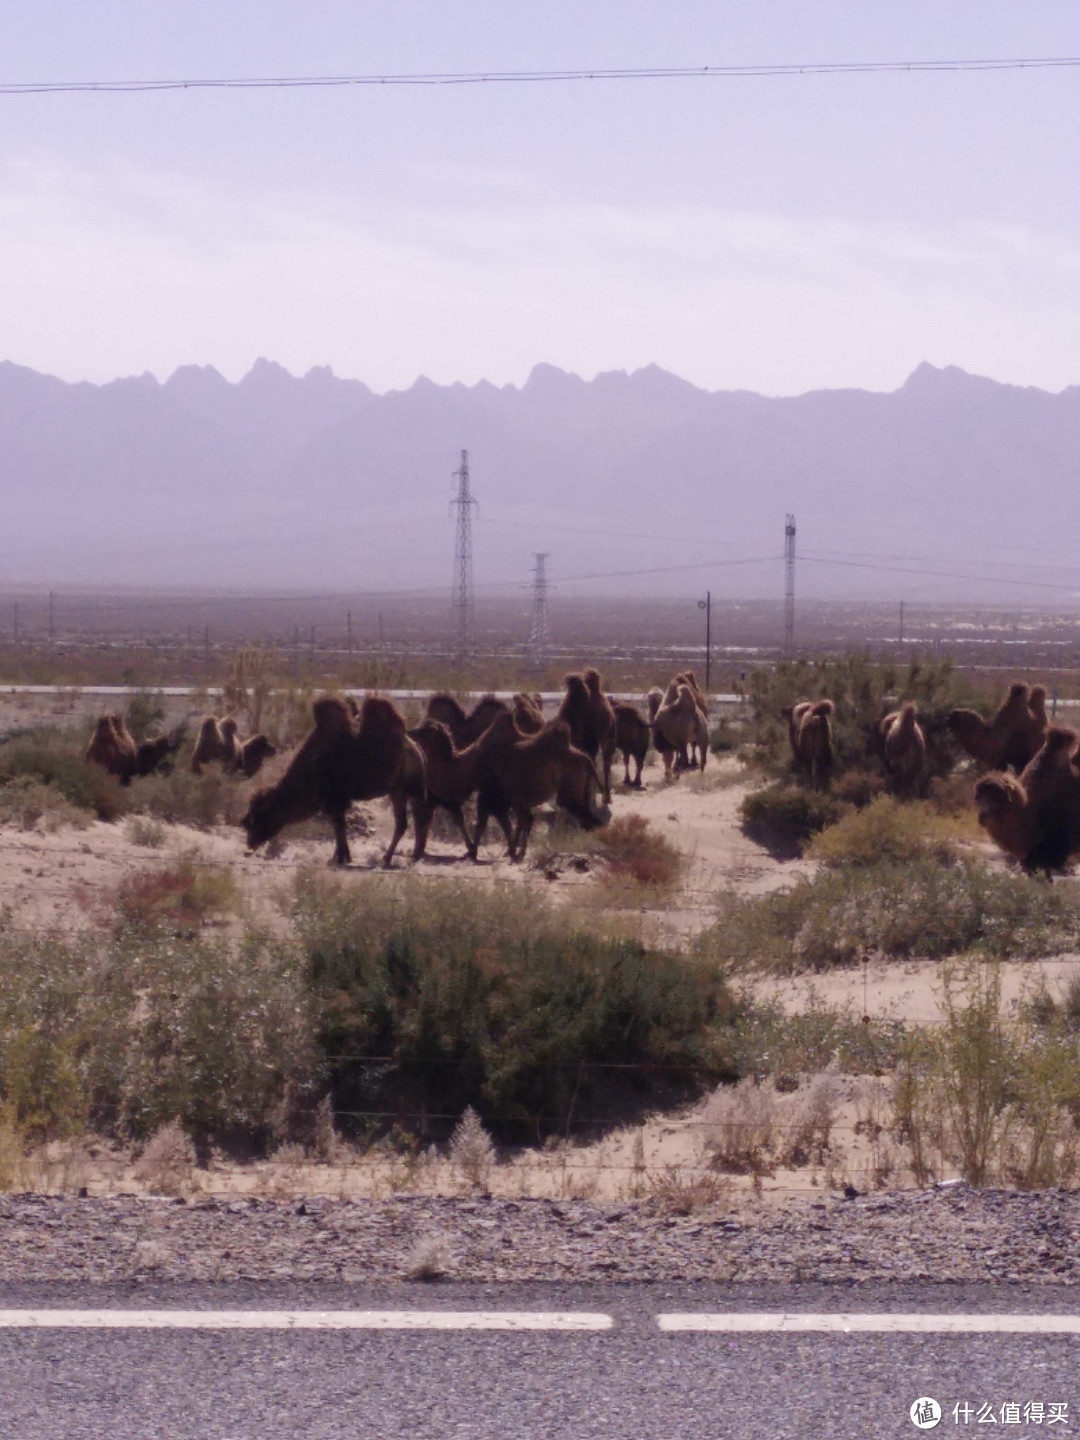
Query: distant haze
950	487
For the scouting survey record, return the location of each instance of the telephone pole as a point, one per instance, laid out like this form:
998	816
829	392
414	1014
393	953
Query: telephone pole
462	604
540	634
789	584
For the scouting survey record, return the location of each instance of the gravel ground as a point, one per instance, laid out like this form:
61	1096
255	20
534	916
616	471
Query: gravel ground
953	1234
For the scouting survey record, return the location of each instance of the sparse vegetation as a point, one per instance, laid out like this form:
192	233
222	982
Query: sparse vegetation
885	831
783	817
916	909
633	850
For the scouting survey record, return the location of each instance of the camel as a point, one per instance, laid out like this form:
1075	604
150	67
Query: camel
519	772
215	742
452	777
681	724
528	713
654	699
464	728
347	756
632	738
1010	740
810	733
904	749
1036	819
588	713
114	749
252	753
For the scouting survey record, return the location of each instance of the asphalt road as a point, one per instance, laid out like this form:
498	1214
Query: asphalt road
631	1382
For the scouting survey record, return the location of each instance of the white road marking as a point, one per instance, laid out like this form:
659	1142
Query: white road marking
854	1322
303	1320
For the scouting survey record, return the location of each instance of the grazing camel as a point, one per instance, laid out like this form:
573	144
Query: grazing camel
903	748
1008	741
1036	819
464	728
681	724
519	772
810	734
348	756
632	733
252	753
215	742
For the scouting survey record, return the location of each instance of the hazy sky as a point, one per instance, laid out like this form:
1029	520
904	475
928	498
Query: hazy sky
776	234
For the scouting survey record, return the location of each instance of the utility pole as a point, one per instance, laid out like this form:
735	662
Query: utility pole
539	634
462	605
16	622
706	605
348	629
52	618
901	622
789	584
206	645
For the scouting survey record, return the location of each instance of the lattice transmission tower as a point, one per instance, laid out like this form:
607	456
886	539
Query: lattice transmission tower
462	603
789	584
540	634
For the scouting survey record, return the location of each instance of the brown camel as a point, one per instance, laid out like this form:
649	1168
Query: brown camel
810	733
345	758
1008	741
252	754
904	749
452	777
519	772
632	733
592	723
464	727
666	751
113	748
215	742
528	713
1036	819
681	724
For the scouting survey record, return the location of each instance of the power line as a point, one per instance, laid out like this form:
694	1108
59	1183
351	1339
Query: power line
535	77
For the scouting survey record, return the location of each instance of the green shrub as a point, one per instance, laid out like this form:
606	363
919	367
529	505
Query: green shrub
181	798
918	909
783	817
55	757
432	999
124	1033
885	830
180	896
30	804
145	712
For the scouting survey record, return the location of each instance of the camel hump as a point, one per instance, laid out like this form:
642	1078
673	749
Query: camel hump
1059	738
379	713
332	717
822	707
1017	691
229	726
433	736
443	703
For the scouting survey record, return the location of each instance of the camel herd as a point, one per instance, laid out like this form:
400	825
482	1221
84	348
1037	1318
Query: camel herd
1028	802
505	754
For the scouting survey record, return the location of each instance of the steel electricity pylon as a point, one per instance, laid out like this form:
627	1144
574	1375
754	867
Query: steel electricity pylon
789	584
462	605
539	633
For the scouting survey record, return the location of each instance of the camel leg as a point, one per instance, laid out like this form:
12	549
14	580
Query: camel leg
458	815
626	768
401	822
423	813
524	827
342	853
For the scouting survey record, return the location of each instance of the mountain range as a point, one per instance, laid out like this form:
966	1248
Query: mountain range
953	486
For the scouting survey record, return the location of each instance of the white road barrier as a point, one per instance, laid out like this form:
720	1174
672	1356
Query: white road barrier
758	1322
303	1320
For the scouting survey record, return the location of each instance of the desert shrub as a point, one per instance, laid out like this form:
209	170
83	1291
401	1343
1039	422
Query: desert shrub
987	1094
432	998
783	817
635	851
918	909
55	757
770	1042
725	737
740	1128
149	833
862	691
181	798
126	1033
30	804
181	896
885	830
857	787
145	712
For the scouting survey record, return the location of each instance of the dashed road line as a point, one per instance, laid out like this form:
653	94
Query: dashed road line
758	1322
110	1319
